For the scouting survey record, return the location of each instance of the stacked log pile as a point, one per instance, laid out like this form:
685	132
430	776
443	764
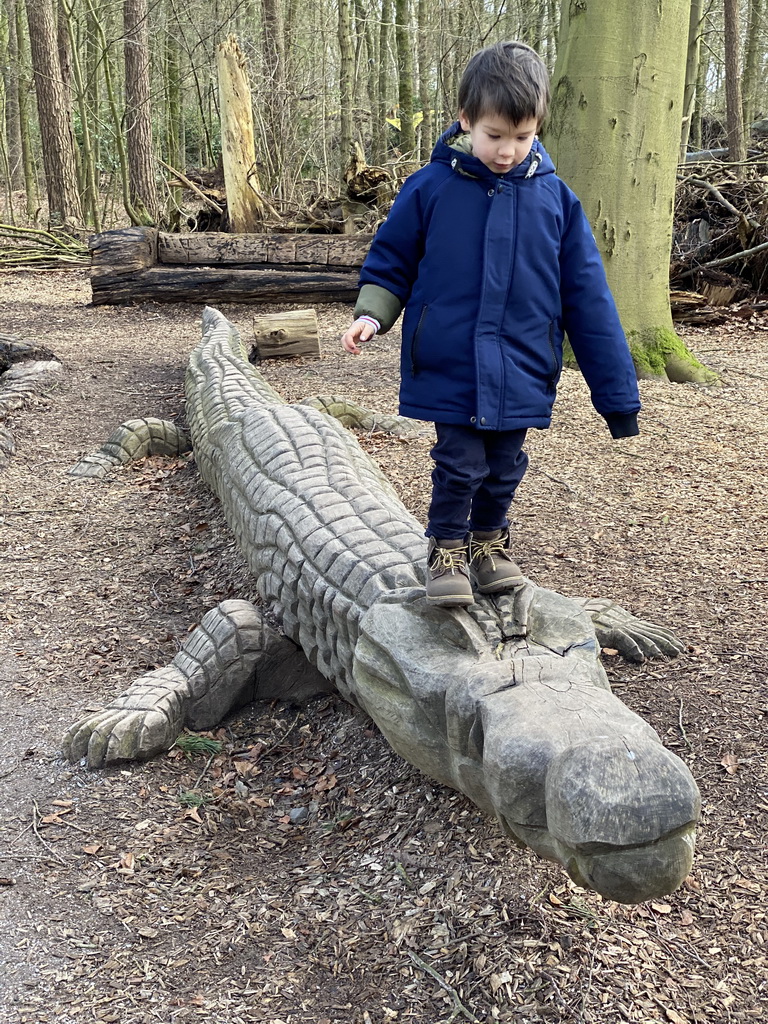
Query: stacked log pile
720	248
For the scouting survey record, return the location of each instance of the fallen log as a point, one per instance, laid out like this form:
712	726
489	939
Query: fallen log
215	247
139	264
203	284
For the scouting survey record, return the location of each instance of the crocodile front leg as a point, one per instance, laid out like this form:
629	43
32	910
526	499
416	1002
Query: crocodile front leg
231	659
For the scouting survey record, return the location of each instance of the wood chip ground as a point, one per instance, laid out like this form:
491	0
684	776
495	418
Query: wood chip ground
302	872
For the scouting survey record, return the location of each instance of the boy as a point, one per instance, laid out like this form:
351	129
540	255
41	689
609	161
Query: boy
493	260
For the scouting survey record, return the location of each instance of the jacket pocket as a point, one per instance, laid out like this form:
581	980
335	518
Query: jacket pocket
556	355
415	341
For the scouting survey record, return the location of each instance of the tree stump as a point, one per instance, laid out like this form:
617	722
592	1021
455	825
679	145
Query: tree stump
285	335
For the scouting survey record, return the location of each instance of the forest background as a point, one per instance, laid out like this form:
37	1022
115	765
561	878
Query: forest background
100	99
115	113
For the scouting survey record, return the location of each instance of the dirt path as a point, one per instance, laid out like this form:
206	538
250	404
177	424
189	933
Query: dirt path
303	872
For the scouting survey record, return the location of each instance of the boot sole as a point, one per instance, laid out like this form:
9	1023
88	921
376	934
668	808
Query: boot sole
452	601
502	585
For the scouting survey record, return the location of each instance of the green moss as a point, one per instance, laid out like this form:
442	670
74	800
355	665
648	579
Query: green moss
660	353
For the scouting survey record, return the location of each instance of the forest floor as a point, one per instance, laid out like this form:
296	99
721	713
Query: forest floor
305	873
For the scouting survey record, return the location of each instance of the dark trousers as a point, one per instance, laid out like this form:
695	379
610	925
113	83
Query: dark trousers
474	480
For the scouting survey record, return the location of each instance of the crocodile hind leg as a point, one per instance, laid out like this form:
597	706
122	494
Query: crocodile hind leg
232	658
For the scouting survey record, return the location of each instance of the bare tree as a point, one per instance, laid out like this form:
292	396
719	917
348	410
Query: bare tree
11	90
693	59
54	116
142	163
752	59
737	146
405	79
346	80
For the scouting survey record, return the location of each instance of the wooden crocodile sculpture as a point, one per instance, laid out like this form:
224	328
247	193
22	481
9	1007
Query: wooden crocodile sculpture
506	701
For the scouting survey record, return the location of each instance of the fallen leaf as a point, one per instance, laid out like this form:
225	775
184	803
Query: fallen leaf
731	763
675	1017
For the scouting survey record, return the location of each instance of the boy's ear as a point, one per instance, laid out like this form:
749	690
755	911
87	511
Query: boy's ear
464	122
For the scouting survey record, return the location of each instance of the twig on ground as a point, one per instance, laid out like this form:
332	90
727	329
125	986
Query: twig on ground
48	847
458	1006
204	772
556	480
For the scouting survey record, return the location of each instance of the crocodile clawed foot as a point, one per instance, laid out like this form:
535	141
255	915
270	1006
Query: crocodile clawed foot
142	722
119	734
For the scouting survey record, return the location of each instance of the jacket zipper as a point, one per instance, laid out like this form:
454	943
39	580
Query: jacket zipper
415	340
553	377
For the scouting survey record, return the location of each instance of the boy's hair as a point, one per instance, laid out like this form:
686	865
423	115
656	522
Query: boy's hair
508	79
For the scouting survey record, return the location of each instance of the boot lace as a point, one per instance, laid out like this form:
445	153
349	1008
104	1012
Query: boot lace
487	549
448	559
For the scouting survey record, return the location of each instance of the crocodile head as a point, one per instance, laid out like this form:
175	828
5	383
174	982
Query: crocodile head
510	705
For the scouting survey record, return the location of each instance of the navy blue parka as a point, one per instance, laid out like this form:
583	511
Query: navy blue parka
491	272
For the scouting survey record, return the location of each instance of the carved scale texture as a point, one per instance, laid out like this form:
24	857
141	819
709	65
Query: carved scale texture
323	531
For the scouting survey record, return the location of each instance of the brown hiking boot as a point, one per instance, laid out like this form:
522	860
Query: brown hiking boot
491	563
448	582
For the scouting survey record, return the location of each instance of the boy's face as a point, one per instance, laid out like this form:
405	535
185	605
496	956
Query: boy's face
498	143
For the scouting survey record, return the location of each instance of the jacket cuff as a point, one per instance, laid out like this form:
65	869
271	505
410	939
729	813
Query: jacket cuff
622	424
378	303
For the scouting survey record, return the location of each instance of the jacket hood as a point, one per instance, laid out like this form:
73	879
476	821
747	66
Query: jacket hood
451	149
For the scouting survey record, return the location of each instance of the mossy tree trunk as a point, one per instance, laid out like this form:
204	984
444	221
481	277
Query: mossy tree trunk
614	134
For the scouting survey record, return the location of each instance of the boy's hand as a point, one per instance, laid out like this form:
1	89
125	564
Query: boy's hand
361	330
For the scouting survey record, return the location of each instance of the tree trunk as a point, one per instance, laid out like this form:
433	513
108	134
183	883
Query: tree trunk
426	140
380	127
174	112
54	117
245	207
405	80
614	134
691	72
25	118
273	102
346	78
142	183
88	185
11	88
750	98
737	146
